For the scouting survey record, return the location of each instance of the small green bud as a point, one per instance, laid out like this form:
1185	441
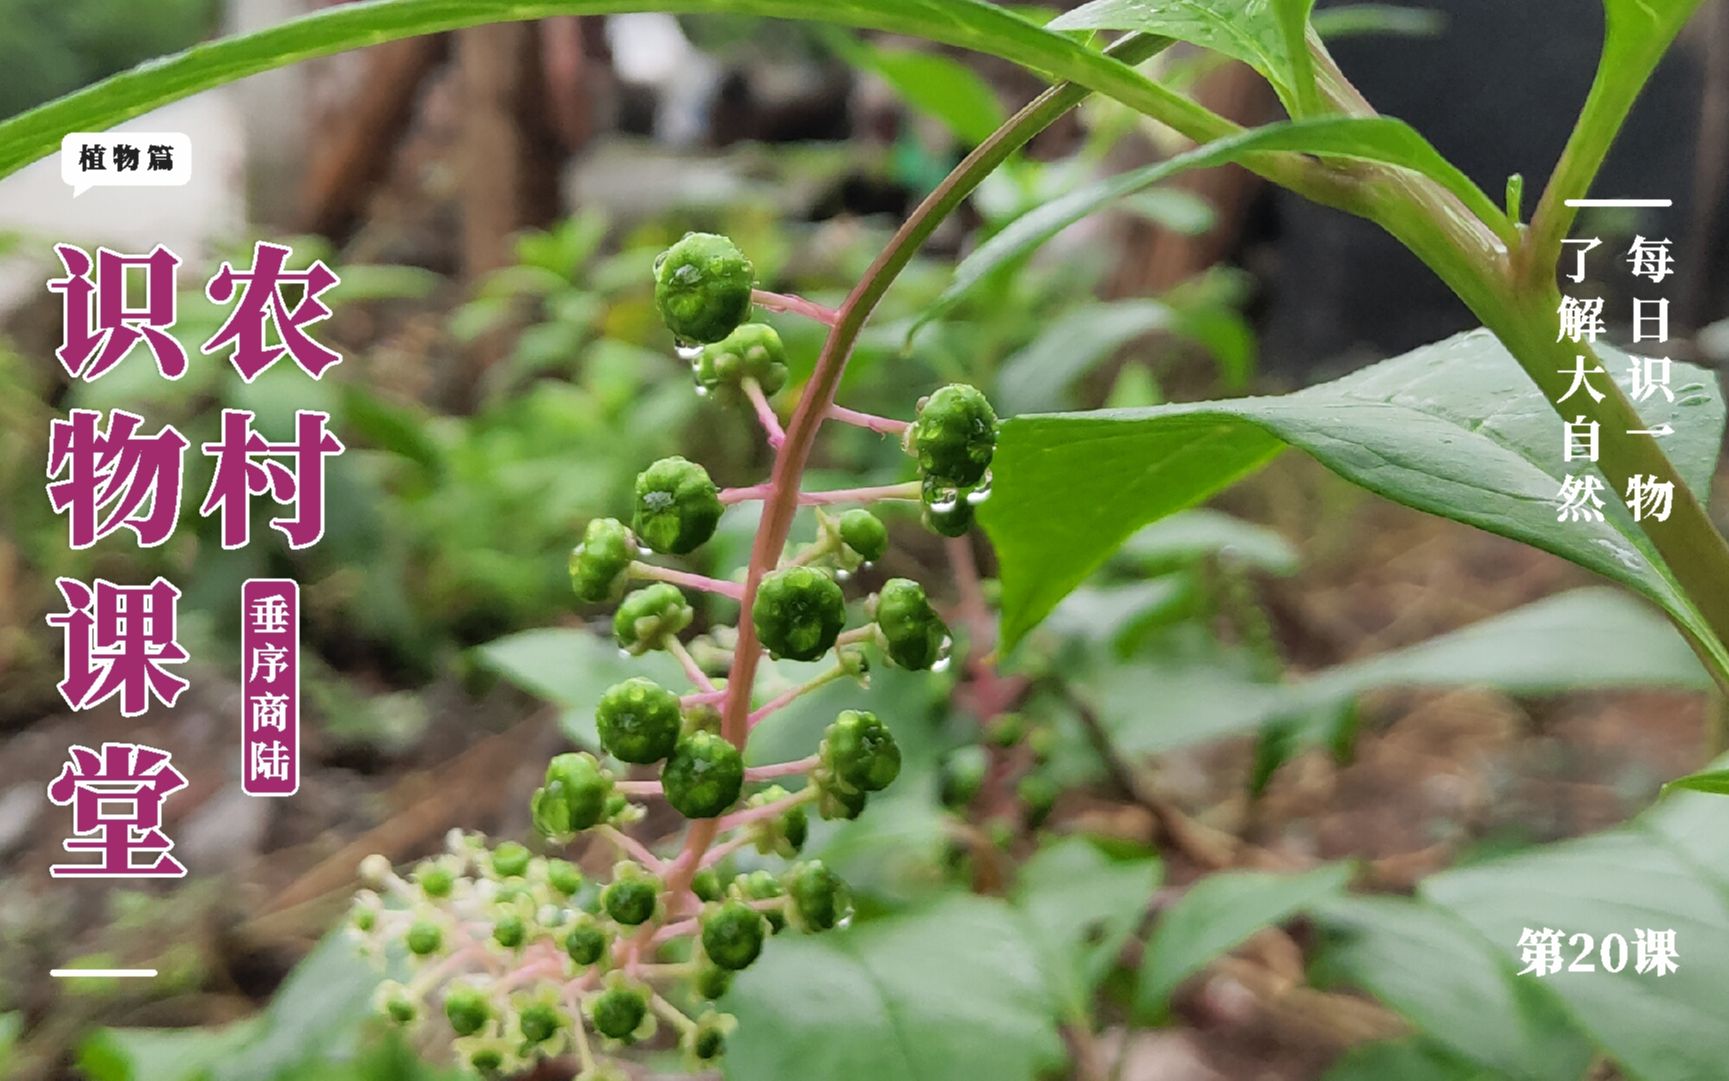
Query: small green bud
574	796
600	565
486	1060
711	981
587	941
364	918
837	800
864	533
703	776
540	1022
401	1010
677	506
702	287
706	885
708	1039
915	634
1042	741
618	1011
510	860
784	834
701	717
960	775
638	720
819	898
955	435
435	880
760	885
563	876
947	511
753	351
649	616
467	1009
732	934
632	896
509	931
424	937
798	613
1007	730
1038	794
860	751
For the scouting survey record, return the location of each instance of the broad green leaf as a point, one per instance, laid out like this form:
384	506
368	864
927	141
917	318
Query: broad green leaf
1663	872
1406	1060
1081	906
1348	20
1218	914
946	992
571	668
1191	535
1437	973
1455	429
1380	139
931	83
1293	20
1588	638
1037	377
1253	31
968	24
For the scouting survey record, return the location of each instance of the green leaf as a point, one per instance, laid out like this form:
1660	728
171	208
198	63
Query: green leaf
1455	429
931	83
1219	913
1349	20
1375	139
571	668
1081	906
887	999
1038	376
1581	639
1663	872
1437	973
1192	535
1407	1060
968	24
1714	781
1253	31
1293	19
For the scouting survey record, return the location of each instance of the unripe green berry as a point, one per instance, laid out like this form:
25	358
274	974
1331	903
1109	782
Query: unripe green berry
364	918
638	720
486	1060
864	533
618	1011
587	940
960	775
753	351
732	934
540	1022
1007	730
955	435
510	860
819	899
649	616
435	880
467	1009
424	937
708	1039
509	931
563	876
860	751
631	897
838	800
1038	795
760	885
1042	741
600	565
706	885
677	506
702	287
401	1010
711	981
574	796
703	776
915	635
784	834
798	613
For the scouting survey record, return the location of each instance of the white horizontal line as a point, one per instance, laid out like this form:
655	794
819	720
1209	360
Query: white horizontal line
1620	202
101	972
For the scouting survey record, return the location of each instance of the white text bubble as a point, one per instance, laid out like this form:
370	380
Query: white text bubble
125	159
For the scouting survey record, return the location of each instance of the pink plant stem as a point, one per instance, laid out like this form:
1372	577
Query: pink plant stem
527	974
746	494
768	810
909	490
765	413
794	305
780	701
638	788
632	847
724	849
781	769
686	579
691	668
880	425
701	698
673	930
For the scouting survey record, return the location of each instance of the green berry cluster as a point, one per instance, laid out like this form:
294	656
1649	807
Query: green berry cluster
954	438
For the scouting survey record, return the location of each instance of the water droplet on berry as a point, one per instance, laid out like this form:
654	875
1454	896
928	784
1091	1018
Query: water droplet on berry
660	260
841	574
701	391
688	351
644	551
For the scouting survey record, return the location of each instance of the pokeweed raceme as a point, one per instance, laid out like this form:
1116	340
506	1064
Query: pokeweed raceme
521	956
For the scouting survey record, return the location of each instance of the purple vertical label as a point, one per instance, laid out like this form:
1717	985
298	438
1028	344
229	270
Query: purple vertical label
270	686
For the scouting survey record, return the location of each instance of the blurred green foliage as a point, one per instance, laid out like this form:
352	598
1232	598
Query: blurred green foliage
51	47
